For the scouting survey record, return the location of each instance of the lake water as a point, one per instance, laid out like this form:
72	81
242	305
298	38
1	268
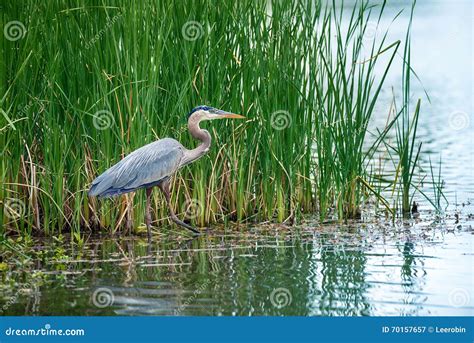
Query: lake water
363	269
412	267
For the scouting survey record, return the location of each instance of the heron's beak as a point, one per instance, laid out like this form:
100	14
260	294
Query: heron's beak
224	114
232	115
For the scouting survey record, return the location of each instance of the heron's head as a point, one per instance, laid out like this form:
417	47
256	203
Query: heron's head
209	113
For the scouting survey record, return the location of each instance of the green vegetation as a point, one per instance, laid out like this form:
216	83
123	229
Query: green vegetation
347	89
407	149
83	85
438	200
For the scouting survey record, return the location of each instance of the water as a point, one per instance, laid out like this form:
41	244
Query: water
362	269
373	267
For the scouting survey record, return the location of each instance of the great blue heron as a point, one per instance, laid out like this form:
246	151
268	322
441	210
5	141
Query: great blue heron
155	163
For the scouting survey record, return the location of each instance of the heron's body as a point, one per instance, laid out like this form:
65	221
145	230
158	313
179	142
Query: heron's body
154	164
143	168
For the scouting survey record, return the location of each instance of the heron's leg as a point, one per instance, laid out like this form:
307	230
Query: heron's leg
147	211
165	188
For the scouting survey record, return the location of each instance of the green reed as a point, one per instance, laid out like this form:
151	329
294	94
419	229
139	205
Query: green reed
90	82
407	149
438	200
348	89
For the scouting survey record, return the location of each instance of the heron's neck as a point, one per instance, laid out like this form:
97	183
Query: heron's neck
201	149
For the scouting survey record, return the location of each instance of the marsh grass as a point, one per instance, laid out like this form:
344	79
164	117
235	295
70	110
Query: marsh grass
348	89
405	153
438	199
89	83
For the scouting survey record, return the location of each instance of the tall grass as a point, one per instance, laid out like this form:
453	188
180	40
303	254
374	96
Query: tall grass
348	89
407	148
406	130
89	83
438	200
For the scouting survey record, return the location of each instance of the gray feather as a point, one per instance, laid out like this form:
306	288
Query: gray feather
143	167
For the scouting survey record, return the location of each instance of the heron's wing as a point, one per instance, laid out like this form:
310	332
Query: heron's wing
145	166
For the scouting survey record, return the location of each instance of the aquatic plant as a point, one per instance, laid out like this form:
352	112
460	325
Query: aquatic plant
407	149
82	85
438	200
348	89
85	85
